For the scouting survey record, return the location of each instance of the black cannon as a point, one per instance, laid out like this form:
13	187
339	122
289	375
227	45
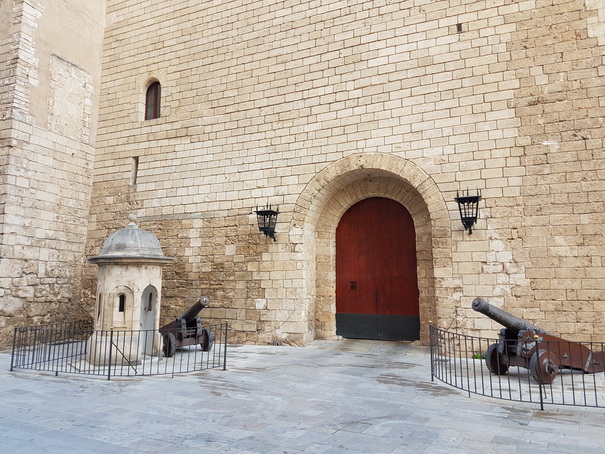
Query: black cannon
187	330
525	345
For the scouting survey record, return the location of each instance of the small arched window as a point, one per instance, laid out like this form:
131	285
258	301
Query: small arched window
121	302
152	101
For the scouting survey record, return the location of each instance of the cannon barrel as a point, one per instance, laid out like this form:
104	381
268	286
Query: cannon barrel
504	318
192	312
188	317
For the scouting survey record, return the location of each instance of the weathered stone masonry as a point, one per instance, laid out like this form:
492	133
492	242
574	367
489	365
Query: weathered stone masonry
48	108
315	105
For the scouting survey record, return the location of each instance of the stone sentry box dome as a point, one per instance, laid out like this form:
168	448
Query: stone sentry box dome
128	292
131	243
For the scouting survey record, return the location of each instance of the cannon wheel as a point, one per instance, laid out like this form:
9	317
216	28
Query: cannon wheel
494	362
543	367
169	345
207	340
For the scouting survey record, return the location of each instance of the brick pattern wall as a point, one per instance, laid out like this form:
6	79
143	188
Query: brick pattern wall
559	61
7	72
47	153
270	101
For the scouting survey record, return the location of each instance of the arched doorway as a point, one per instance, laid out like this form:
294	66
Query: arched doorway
376	272
149	309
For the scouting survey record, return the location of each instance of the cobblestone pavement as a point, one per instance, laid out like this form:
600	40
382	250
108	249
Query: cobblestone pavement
331	397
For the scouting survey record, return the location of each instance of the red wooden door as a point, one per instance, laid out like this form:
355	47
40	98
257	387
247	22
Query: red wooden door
376	277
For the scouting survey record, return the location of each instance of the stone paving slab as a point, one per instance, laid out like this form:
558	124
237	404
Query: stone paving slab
331	397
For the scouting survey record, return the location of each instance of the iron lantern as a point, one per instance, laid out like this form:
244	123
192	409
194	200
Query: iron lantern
469	209
267	219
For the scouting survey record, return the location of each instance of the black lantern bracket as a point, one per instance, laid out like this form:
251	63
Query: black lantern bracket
267	219
469	209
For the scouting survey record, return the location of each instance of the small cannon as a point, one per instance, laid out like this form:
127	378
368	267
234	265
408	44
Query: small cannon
187	330
525	345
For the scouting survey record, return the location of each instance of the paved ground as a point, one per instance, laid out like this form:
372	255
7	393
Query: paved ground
332	397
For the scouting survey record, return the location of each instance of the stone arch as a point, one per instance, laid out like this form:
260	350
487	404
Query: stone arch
149	308
334	190
122	319
144	82
149	81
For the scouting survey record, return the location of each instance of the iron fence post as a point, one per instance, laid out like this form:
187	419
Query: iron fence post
110	345
431	346
14	346
225	348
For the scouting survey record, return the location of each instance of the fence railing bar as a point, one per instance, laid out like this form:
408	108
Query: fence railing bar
126	359
78	349
454	360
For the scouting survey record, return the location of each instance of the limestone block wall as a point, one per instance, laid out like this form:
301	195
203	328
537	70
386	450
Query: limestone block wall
561	104
314	105
50	71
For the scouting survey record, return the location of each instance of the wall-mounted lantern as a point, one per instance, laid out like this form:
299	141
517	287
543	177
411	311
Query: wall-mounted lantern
469	209
267	219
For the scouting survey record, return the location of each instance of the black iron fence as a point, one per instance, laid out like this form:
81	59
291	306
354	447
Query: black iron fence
532	370
77	348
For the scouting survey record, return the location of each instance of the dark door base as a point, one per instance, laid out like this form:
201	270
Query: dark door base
378	327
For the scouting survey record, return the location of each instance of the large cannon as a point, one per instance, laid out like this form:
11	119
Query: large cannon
187	330
525	345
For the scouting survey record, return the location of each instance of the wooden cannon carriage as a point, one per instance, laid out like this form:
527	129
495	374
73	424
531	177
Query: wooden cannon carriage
187	330
525	345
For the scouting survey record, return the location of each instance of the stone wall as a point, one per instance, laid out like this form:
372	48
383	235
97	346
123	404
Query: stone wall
48	107
561	101
314	105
